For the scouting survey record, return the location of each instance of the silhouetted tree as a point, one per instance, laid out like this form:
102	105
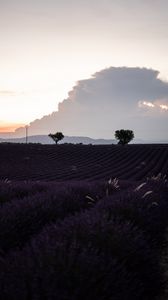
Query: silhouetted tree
124	136
58	136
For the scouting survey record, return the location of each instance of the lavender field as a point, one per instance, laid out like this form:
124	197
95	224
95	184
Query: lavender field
83	222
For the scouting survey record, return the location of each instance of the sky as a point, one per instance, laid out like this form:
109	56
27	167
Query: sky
47	46
114	98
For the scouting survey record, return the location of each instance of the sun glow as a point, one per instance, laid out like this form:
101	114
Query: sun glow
31	94
163	106
145	103
149	104
9	127
156	104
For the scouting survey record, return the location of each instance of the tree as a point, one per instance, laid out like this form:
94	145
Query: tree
124	136
58	136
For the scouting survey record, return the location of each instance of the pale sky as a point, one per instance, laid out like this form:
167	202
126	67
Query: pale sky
48	45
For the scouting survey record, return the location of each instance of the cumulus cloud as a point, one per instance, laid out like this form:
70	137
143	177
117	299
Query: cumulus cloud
158	104
111	99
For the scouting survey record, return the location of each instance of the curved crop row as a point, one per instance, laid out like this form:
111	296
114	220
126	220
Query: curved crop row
78	162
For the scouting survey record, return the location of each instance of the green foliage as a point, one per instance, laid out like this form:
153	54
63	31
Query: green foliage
124	136
58	136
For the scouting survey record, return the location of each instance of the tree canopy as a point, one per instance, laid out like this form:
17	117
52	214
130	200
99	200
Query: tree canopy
124	136
58	136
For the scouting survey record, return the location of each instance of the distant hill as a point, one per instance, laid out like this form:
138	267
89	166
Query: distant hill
44	139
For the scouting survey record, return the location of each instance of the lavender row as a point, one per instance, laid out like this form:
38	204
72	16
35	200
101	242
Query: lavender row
111	251
45	162
22	218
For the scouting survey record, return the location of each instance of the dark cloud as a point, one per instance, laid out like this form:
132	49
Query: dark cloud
110	100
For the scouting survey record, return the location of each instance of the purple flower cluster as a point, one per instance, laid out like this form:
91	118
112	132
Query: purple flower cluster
73	240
